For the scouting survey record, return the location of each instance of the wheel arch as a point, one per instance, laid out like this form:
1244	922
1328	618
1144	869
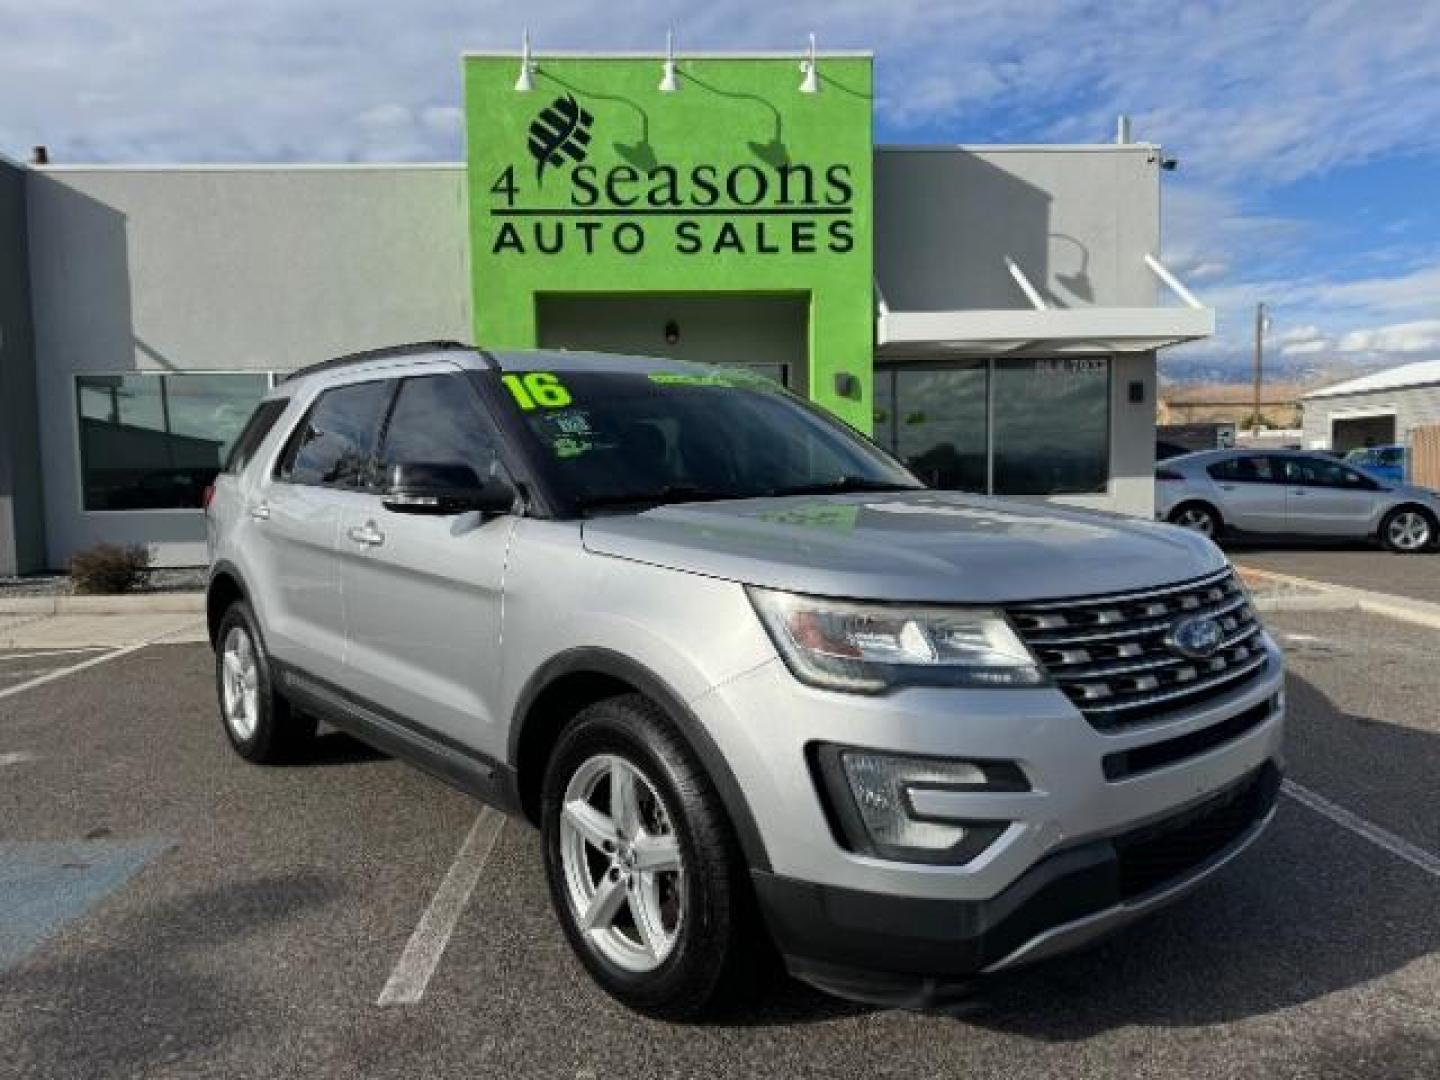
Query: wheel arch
223	589
568	682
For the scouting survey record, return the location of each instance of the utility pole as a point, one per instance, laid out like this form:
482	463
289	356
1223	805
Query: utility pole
1259	361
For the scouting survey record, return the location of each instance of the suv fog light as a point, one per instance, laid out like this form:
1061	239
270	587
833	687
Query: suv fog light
881	787
870	796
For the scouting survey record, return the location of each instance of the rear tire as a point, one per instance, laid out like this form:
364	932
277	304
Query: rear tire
1408	530
683	941
261	725
1198	517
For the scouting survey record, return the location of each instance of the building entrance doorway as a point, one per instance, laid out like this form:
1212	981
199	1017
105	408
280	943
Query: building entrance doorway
767	334
1354	432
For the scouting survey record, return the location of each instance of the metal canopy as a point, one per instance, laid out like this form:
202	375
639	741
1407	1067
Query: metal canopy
1042	329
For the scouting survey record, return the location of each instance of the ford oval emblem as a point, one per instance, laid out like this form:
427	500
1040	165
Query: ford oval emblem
1196	638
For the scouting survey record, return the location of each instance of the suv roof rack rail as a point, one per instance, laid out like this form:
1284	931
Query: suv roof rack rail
408	349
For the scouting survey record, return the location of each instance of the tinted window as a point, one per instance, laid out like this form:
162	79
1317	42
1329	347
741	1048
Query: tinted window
1251	469
1052	426
940	425
436	421
258	426
615	438
154	442
335	443
1323	472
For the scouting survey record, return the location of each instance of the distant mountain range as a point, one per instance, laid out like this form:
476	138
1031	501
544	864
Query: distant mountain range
1180	369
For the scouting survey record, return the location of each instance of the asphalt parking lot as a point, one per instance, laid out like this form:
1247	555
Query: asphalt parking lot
174	911
1354	566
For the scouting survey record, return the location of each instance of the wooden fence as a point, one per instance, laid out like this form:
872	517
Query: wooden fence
1425	456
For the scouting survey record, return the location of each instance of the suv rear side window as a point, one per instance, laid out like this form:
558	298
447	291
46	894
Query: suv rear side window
1251	469
436	421
334	446
261	421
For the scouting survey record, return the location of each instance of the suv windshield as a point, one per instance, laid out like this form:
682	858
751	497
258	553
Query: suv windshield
617	439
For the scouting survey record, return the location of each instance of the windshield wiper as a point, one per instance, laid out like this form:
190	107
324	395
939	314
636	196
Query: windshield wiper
842	484
670	493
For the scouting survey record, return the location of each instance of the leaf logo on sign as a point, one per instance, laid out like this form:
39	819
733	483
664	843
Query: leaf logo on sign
562	130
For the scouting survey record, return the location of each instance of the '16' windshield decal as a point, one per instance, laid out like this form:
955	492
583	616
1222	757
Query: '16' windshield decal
537	389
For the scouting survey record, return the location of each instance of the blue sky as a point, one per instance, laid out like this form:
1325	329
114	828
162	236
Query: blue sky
1308	134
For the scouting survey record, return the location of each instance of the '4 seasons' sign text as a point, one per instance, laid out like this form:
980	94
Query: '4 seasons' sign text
575	207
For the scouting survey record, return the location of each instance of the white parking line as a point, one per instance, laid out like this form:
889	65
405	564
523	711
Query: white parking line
51	652
16	757
60	673
421	957
1396	845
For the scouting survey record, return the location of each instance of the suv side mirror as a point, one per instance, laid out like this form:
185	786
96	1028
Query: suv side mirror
424	487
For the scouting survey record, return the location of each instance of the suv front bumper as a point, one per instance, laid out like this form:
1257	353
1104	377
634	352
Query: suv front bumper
906	950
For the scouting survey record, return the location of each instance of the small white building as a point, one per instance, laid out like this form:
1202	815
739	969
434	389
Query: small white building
1374	410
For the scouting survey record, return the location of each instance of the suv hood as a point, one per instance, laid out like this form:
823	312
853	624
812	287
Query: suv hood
915	546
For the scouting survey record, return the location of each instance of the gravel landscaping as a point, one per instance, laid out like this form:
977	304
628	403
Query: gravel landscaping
160	580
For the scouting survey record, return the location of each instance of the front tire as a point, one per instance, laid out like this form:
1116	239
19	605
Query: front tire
1407	530
259	722
645	874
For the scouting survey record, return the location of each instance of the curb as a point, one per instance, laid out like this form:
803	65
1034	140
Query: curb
176	603
1327	597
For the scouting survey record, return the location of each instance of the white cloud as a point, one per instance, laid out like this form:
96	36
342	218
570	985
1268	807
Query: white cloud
1240	88
1301	335
1400	339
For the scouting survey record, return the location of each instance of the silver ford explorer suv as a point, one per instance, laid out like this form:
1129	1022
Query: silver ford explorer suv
762	692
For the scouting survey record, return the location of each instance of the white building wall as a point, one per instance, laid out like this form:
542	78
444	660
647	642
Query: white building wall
1077	220
224	269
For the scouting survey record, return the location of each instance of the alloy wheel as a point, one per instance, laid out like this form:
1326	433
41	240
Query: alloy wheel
240	683
624	872
1196	520
1409	530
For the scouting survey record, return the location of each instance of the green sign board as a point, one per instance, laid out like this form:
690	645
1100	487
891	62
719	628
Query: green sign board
597	183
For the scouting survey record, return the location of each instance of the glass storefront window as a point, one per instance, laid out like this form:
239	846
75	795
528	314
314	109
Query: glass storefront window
939	425
1052	426
153	442
1050	420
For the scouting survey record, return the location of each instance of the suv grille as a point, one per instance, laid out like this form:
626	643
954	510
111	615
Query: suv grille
1109	653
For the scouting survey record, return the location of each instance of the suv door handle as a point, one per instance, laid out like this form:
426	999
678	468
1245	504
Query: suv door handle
260	511
366	534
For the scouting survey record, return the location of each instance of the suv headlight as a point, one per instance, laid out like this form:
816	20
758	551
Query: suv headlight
869	648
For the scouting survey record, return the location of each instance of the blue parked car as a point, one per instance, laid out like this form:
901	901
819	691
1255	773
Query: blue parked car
1383	462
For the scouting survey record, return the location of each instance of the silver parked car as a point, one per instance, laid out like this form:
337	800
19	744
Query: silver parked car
759	689
1293	493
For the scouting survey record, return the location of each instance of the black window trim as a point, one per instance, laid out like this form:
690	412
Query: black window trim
232	465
